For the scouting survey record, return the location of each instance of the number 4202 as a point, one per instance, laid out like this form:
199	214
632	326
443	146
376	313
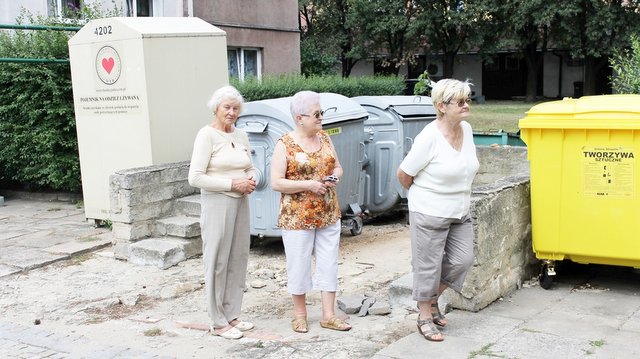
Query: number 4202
102	30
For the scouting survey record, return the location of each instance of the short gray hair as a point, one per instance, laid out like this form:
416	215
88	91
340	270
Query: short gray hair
225	93
447	90
301	101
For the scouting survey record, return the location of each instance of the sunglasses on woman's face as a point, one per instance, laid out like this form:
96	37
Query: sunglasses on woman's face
317	114
461	103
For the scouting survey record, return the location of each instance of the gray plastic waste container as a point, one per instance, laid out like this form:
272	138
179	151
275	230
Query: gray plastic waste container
393	123
266	121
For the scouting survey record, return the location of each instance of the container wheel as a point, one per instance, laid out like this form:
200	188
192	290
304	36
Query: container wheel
545	278
356	226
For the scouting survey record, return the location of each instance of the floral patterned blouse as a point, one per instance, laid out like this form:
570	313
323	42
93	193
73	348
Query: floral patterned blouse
308	210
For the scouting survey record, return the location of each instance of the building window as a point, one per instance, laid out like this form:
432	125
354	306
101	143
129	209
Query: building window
142	8
65	8
244	62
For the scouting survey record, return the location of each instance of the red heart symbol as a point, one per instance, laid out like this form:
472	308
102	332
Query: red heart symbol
107	64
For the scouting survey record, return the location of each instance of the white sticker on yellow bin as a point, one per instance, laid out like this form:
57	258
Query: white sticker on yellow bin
609	172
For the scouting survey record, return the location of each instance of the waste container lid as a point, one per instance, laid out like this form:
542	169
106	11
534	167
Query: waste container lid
338	108
405	106
588	112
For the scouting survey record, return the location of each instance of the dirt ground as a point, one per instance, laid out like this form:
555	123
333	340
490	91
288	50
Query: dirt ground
163	311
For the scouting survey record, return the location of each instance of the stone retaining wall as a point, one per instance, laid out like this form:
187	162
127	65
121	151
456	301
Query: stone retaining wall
501	210
140	196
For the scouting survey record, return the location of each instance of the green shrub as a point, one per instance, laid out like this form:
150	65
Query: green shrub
424	85
37	127
38	140
287	85
626	68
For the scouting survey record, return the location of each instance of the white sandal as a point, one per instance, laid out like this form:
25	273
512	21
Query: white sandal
243	326
232	333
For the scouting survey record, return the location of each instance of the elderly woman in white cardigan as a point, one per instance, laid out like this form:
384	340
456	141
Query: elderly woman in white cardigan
221	167
438	171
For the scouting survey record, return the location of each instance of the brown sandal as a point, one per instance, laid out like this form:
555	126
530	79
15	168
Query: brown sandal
438	318
299	325
433	330
335	324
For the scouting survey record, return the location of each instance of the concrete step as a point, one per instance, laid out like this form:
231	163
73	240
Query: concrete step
188	206
164	252
179	226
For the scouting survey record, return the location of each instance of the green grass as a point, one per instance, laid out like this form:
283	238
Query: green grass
498	115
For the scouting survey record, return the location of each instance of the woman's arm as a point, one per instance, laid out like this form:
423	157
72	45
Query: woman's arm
278	172
198	168
405	180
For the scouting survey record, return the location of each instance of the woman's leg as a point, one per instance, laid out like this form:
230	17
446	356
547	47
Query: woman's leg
238	259
428	238
216	245
458	256
326	249
298	248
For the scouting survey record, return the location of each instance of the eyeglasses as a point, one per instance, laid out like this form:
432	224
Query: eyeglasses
461	103
315	114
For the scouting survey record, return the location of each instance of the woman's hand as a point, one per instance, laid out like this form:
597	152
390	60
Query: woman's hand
317	187
243	185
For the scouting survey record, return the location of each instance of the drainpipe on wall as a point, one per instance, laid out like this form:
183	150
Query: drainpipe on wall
554	52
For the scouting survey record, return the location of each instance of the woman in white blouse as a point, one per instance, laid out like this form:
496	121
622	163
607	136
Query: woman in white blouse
438	171
221	167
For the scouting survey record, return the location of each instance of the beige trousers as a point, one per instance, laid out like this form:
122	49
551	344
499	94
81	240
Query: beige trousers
441	253
225	233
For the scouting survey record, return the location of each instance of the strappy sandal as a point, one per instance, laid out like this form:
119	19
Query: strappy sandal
335	324
431	333
231	333
299	325
438	318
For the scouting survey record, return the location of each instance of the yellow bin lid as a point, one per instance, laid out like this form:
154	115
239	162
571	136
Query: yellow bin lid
588	112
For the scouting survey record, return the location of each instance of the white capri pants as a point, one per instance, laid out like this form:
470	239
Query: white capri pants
441	252
300	246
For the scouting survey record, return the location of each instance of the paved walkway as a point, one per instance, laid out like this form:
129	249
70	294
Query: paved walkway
34	233
17	341
591	312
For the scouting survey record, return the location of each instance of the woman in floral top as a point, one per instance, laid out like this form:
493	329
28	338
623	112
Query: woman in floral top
309	210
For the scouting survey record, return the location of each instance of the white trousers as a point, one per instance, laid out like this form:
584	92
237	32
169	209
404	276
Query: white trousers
299	248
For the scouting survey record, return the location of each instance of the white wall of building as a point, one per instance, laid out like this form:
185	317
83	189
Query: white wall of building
469	67
10	9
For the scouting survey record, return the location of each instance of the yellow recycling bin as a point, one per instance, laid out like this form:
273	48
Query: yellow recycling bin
585	204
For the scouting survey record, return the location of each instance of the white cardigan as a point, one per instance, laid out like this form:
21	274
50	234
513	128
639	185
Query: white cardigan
442	176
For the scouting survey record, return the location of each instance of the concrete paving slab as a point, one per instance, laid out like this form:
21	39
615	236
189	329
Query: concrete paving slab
618	344
80	246
6	270
414	346
28	258
569	324
524	343
481	327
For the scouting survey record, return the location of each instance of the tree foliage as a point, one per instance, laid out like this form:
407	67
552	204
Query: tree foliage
38	141
596	30
451	26
626	68
327	32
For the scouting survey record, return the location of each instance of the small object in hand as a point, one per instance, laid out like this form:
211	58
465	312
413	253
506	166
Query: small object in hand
331	178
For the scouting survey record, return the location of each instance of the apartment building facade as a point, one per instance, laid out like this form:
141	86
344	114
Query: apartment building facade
262	35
